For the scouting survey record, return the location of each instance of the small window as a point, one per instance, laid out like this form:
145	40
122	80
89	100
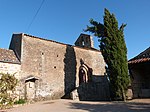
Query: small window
54	66
83	43
30	85
42	53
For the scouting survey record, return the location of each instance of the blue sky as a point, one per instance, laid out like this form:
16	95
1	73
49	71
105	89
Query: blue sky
64	20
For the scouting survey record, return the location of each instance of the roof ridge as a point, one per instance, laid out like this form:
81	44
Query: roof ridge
61	42
6	49
140	55
42	38
144	51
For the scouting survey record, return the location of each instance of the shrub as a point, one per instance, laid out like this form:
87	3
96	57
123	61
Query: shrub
7	86
20	101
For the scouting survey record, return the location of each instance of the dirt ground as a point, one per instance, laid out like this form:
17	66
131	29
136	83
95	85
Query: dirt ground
137	105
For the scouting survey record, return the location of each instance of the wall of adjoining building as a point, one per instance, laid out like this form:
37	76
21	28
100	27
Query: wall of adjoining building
10	68
140	80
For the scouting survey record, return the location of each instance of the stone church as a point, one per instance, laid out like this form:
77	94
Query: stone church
47	69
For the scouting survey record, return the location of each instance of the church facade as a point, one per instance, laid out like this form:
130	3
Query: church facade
48	69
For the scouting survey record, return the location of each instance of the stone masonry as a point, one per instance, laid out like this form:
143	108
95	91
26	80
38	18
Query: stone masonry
50	70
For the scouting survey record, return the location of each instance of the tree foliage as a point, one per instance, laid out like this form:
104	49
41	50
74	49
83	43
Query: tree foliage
7	86
114	51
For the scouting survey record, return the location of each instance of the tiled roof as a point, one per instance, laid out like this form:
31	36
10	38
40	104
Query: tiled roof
139	60
142	57
8	56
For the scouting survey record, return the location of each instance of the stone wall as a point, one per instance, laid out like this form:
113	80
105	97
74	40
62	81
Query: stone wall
54	67
136	83
85	41
140	79
10	68
44	59
92	58
96	90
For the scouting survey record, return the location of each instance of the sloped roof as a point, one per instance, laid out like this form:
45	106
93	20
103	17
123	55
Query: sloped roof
94	49
8	56
142	57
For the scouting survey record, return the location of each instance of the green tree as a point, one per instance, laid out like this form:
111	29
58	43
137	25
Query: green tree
114	51
7	86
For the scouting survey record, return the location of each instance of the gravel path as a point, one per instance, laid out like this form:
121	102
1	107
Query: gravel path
138	105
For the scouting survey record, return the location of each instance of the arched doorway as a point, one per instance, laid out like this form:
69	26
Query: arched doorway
83	74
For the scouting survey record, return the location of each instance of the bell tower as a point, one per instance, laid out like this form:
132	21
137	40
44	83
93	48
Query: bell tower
85	40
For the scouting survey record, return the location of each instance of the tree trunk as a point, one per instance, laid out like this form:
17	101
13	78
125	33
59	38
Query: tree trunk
123	94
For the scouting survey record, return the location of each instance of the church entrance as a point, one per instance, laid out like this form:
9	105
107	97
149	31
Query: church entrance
82	76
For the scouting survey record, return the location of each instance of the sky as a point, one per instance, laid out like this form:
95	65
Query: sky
64	20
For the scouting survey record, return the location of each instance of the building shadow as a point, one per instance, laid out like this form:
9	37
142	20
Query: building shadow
92	87
111	106
70	71
95	90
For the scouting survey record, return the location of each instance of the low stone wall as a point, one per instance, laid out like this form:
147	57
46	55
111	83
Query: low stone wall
92	91
10	68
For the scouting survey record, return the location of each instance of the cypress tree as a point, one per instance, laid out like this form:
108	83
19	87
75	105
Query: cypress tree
114	51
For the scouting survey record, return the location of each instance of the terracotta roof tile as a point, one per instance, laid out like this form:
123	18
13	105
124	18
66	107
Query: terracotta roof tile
142	57
8	56
139	60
